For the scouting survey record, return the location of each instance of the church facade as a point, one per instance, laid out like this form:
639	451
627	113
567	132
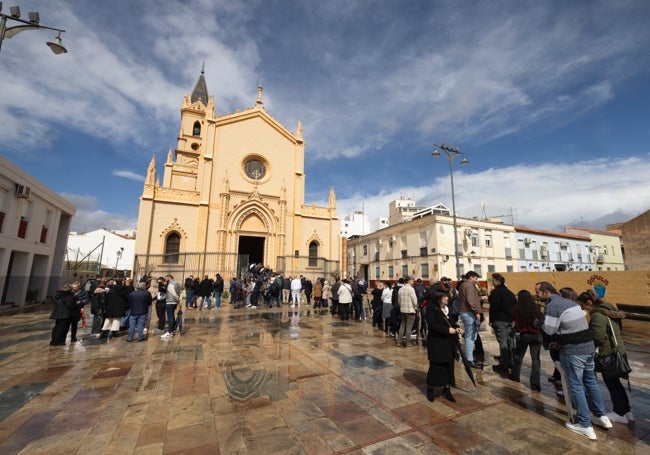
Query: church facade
230	195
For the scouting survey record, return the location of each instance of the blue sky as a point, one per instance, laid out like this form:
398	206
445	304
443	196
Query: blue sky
549	100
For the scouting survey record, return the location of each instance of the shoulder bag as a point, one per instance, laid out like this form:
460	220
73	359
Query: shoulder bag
614	364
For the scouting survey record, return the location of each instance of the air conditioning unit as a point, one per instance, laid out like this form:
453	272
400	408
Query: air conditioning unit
22	190
433	250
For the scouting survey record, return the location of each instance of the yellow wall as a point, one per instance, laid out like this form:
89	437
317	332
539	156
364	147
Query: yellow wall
626	287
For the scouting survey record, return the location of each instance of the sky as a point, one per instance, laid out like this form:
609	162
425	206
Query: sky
549	101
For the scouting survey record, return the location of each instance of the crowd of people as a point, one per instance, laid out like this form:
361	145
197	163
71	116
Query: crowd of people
573	327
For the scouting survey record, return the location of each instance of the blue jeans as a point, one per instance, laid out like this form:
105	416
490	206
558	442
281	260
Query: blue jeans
581	378
470	326
139	321
217	299
171	320
189	295
206	299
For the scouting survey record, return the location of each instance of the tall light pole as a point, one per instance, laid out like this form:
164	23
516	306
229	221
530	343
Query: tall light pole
451	152
31	24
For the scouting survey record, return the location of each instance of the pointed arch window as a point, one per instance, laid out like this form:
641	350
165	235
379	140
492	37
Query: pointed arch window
313	254
196	129
172	248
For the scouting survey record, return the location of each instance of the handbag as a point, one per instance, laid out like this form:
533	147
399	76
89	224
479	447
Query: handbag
614	365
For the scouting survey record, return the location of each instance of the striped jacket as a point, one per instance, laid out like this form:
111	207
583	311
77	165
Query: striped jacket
565	319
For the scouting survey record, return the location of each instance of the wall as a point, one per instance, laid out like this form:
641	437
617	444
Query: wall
626	287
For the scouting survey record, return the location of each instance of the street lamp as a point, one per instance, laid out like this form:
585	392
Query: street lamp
118	255
451	152
32	24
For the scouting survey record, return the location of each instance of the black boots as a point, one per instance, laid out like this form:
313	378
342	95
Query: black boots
446	392
104	334
430	395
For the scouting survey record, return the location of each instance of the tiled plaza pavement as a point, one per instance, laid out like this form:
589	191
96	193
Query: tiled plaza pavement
278	382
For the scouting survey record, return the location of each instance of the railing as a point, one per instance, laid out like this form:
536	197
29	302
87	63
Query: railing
181	265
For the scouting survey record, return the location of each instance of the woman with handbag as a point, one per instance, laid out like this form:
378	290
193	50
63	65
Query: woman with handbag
605	325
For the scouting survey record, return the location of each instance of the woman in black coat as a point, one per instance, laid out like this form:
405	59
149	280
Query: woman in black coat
441	346
62	314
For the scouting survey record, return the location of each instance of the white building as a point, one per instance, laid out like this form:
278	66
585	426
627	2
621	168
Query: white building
424	248
378	223
101	251
355	223
34	225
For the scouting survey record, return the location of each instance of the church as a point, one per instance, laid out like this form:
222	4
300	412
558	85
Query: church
232	195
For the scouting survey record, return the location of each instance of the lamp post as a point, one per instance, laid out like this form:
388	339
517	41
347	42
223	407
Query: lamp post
451	152
31	24
118	255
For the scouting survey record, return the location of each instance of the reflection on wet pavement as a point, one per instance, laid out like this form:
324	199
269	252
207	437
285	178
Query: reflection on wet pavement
278	380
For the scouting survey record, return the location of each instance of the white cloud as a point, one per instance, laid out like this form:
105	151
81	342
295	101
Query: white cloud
547	196
89	217
128	175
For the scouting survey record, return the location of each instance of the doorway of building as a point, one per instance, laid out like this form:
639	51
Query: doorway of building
251	248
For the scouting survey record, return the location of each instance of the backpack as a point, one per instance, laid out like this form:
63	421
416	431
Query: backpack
394	298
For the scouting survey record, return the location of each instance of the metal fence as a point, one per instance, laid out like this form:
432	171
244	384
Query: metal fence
182	265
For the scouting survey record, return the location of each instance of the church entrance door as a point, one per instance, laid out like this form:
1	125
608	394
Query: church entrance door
250	251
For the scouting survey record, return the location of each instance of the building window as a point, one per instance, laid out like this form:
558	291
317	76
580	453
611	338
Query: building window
405	271
313	254
377	256
425	271
22	227
44	234
488	240
423	251
477	269
172	248
365	250
474	240
390	271
404	254
196	130
509	268
491	268
377	273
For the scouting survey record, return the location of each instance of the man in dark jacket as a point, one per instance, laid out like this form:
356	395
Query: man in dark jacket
502	301
205	291
62	315
218	290
189	291
139	303
286	289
